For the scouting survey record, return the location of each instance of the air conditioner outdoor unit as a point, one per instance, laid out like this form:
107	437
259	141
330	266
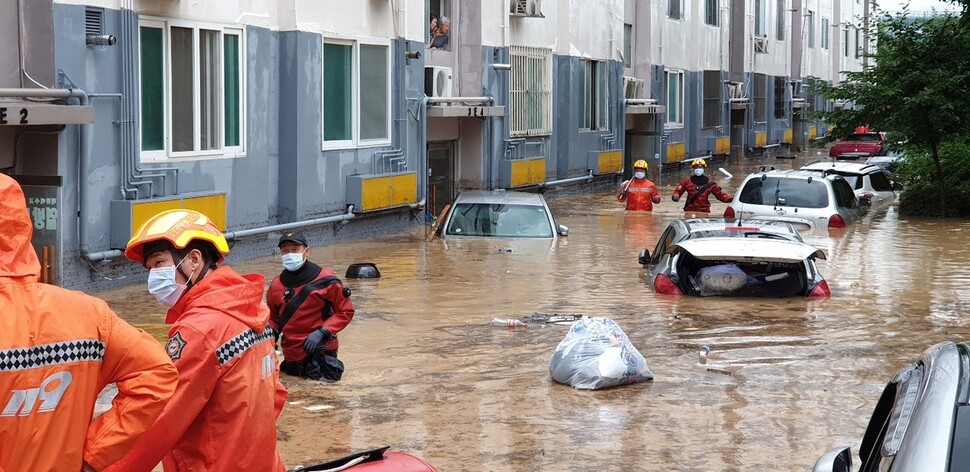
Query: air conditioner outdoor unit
437	81
632	87
761	45
525	8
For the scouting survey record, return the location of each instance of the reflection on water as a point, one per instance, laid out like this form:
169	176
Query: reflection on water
783	381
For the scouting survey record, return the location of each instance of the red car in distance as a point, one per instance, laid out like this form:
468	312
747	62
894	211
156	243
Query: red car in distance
861	143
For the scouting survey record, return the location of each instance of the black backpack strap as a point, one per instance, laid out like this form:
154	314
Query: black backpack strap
294	303
698	193
373	455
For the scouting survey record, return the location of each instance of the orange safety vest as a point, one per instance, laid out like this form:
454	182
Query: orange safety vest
58	350
223	414
638	194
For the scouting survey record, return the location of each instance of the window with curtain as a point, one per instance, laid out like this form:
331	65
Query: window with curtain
192	103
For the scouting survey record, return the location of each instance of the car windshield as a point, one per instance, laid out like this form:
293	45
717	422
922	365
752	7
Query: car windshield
863	138
499	220
741	233
790	192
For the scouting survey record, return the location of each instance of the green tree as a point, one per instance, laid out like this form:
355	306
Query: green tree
917	86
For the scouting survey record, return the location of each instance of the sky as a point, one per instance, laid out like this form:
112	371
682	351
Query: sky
915	5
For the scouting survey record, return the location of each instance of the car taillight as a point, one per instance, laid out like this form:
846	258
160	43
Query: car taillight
663	284
729	212
821	290
836	221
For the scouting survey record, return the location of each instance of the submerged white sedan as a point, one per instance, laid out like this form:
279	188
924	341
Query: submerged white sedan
500	214
725	257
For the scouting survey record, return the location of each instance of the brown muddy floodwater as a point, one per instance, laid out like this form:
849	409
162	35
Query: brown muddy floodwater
785	380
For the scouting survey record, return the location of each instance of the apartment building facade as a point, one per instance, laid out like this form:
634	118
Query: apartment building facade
349	119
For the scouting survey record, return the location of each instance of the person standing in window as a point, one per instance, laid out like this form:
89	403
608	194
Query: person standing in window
433	29
442	36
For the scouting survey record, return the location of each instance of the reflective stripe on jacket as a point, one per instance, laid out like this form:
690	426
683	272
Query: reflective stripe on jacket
639	195
223	415
58	350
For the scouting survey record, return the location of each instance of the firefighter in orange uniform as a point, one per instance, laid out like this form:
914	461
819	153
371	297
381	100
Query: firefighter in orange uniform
58	350
639	193
223	414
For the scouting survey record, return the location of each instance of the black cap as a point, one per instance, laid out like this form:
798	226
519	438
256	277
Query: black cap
292	237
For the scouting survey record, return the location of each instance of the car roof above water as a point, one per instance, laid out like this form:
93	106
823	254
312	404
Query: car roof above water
848	167
497	197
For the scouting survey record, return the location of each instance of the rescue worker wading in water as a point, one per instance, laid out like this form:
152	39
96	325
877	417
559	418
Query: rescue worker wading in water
639	193
308	306
698	187
223	414
58	350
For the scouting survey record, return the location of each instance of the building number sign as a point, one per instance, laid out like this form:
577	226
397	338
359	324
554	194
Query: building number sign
7	115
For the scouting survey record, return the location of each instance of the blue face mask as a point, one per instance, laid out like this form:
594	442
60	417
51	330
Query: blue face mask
161	284
640	175
698	171
292	261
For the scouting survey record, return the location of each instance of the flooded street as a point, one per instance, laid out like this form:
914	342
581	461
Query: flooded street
785	379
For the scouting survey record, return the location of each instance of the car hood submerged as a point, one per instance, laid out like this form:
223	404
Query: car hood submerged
748	250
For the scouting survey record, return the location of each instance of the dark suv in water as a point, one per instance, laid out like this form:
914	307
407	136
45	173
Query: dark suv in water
922	420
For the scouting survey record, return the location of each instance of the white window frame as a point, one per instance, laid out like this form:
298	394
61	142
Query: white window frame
680	9
518	107
356	142
810	29
712	15
678	75
595	108
760	20
166	154
824	36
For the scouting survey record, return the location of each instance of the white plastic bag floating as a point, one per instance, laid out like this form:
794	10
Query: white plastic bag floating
597	354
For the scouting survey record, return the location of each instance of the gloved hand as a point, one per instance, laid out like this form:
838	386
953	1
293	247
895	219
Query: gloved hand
314	339
656	199
675	197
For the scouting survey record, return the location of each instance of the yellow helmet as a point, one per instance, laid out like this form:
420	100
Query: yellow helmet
641	164
699	162
178	227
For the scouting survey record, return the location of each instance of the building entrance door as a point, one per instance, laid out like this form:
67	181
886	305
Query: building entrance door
441	175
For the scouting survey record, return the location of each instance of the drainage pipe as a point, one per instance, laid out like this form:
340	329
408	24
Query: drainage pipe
588	177
234	235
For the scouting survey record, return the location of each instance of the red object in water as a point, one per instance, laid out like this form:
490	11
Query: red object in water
663	284
395	462
862	129
836	221
821	290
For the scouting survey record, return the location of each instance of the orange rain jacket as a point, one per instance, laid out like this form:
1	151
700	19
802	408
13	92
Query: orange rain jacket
223	415
58	350
638	194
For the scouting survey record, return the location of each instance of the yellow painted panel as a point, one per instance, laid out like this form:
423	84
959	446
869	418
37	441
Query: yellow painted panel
213	206
610	162
723	145
403	189
141	212
787	136
528	171
375	193
676	152
812	132
760	138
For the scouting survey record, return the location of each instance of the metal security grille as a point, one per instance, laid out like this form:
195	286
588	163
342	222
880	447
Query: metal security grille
93	21
530	91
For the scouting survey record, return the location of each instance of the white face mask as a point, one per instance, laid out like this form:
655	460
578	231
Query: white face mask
292	261
699	171
640	175
161	284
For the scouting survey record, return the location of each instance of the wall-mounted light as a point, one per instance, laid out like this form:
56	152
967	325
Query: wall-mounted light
412	54
502	66
100	40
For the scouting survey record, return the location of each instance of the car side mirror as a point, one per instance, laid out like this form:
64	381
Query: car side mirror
563	230
644	257
865	201
836	460
897	186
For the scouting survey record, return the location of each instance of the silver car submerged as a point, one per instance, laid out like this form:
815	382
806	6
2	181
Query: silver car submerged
801	197
500	214
866	180
922	420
